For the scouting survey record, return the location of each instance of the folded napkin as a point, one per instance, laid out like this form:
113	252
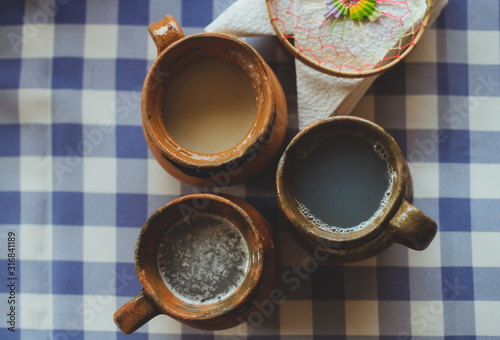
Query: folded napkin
318	95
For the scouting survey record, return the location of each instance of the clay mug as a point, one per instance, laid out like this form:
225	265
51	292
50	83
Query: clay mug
177	52
259	281
398	221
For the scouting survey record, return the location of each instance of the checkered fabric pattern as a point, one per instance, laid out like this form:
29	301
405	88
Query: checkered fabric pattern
77	180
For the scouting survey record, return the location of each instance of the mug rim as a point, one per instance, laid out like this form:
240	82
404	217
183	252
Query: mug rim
284	182
157	290
250	144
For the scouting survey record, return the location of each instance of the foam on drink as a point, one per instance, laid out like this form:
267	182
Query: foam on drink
203	258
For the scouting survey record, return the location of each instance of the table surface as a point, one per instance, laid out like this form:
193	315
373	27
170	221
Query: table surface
77	180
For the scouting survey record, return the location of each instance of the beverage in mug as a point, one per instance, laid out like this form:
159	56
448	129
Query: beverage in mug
342	181
203	258
210	106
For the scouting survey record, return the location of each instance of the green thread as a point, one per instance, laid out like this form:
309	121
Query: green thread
333	26
343	28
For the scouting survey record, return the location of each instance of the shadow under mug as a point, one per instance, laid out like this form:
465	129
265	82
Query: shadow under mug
176	52
259	282
397	222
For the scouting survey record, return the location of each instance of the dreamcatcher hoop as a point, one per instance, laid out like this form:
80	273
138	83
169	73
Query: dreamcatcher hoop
345	71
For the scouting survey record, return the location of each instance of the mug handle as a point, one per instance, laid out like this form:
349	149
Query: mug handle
135	313
165	32
411	228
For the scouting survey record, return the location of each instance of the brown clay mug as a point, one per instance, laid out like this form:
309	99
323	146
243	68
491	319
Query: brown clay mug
396	221
176	53
257	284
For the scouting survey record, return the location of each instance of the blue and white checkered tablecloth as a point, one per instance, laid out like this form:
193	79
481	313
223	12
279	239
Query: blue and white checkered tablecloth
77	181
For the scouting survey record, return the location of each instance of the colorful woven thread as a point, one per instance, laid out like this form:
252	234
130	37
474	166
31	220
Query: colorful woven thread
356	9
370	35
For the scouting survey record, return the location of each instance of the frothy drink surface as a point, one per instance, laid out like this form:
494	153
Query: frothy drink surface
203	258
342	181
210	106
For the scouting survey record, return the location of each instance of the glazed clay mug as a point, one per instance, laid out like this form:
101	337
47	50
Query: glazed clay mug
177	55
175	262
392	218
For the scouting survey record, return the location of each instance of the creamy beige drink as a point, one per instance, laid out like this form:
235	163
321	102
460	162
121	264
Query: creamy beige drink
210	106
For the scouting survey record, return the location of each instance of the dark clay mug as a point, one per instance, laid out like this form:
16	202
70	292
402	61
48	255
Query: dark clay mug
396	221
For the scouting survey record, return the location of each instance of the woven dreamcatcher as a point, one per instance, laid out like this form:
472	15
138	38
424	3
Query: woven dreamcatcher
349	38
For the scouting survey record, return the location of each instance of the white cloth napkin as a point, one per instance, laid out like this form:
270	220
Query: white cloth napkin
318	95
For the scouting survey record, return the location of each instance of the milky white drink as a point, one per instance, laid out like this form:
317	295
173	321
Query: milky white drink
210	106
203	258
